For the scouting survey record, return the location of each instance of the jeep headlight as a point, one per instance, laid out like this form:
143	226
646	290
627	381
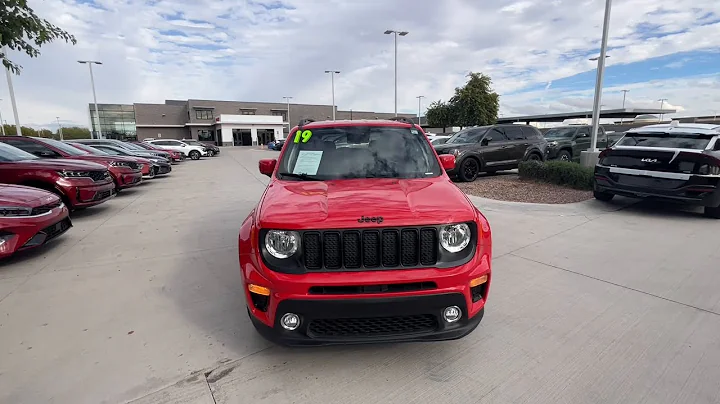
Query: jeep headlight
281	243
454	238
120	164
74	174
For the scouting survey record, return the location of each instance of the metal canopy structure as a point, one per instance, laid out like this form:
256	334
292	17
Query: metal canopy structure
604	114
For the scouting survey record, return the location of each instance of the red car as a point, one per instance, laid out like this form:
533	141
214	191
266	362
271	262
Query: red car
80	184
361	237
125	173
175	155
146	166
29	218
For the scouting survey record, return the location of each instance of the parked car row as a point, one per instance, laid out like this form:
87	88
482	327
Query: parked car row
43	180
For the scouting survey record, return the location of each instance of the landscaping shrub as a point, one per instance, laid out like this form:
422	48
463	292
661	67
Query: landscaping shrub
563	173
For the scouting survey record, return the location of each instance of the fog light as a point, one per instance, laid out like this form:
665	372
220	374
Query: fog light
452	314
290	321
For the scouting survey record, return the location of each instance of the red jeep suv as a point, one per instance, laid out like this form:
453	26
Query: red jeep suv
80	184
126	173
361	237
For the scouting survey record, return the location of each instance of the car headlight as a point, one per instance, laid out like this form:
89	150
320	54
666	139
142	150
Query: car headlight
119	164
454	238
553	143
455	152
14	211
74	174
281	243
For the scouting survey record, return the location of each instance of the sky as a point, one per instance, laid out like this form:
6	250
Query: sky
535	51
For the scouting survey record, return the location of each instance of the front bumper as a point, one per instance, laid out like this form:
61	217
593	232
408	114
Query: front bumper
163	169
83	196
32	232
692	189
362	321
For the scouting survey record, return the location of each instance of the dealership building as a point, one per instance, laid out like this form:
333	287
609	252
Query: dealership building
225	123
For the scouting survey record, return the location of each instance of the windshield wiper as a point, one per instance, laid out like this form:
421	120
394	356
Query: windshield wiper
304	177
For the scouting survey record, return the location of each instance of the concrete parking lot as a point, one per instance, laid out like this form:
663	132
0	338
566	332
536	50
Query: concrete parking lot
141	302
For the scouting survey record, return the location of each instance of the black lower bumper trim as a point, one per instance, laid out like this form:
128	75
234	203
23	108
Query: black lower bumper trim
362	321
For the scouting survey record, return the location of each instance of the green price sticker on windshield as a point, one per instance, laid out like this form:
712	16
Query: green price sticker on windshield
303	136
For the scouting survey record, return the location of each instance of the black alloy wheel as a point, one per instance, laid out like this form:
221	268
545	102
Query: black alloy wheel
469	170
564	155
533	157
194	155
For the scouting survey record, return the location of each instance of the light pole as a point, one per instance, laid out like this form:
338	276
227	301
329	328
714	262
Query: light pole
623	106
92	83
59	128
599	83
12	95
419	97
288	112
662	102
2	127
332	81
396	33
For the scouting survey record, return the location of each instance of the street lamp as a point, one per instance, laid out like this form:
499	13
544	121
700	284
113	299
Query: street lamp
396	33
12	95
59	128
2	127
599	84
419	97
332	81
623	106
92	83
662	102
288	112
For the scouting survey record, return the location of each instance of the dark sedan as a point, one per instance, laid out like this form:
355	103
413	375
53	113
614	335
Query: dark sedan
162	164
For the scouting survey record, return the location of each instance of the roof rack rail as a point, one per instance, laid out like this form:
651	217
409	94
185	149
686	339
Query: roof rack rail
305	121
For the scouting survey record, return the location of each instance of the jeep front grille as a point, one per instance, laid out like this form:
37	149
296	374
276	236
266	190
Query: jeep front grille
382	248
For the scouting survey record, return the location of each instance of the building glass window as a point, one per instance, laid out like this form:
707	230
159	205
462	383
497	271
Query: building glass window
204	114
283	114
205	135
247	112
115	121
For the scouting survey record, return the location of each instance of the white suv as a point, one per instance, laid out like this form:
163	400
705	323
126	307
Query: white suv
194	152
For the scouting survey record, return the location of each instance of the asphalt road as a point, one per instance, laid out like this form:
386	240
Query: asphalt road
142	302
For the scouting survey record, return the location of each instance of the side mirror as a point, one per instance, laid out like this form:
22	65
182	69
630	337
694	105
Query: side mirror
183	144
45	154
447	161
485	142
267	166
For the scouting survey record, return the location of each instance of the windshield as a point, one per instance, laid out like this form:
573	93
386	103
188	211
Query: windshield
670	140
111	150
560	133
65	148
10	153
358	152
89	149
469	135
133	146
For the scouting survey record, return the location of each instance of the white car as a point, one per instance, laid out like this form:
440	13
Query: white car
194	152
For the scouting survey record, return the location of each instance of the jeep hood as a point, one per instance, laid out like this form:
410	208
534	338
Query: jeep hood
339	204
15	195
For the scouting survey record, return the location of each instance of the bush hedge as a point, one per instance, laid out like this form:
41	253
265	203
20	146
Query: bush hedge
562	173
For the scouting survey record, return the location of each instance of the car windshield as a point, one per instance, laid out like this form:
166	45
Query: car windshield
345	152
673	140
111	150
133	146
560	133
10	153
469	135
90	149
65	148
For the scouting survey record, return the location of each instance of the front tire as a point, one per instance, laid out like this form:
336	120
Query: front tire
469	170
603	196
533	157
194	155
564	155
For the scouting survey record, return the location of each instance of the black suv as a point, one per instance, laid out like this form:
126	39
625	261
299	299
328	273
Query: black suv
566	142
492	148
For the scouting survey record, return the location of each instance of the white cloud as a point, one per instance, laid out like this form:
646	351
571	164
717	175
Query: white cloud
255	50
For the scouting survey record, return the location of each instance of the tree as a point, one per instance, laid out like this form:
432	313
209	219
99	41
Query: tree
22	30
476	103
73	132
473	104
